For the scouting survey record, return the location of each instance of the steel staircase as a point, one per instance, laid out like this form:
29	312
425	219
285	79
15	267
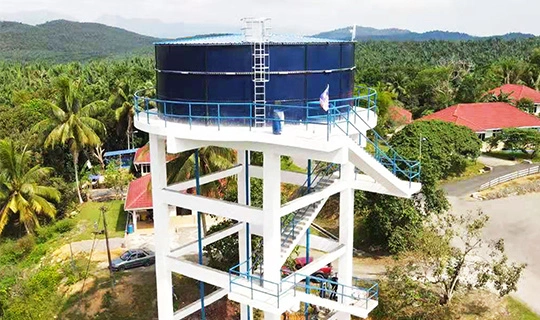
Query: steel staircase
296	224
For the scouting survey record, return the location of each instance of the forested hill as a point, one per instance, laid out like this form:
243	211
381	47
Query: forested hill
365	34
62	41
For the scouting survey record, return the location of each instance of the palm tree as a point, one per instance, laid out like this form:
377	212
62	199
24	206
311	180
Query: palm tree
211	159
20	190
122	100
70	124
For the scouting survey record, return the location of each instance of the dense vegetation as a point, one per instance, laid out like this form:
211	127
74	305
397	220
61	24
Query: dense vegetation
366	34
55	117
63	41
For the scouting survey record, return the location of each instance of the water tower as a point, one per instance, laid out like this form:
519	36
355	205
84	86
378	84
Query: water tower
224	91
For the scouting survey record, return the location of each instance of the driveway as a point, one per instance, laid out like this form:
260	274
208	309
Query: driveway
517	221
466	187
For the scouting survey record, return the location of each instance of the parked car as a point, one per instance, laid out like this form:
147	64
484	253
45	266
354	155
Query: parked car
300	262
134	258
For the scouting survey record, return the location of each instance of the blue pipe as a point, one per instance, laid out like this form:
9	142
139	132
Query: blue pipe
306	305
199	231
248	237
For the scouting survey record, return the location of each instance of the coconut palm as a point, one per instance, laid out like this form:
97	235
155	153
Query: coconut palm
122	100
21	192
70	124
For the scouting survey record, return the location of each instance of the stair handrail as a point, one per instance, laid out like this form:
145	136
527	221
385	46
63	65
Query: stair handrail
304	189
413	168
291	219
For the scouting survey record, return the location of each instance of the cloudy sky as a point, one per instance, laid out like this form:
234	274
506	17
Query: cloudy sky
477	17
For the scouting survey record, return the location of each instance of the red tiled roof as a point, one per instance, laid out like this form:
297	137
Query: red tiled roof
485	116
400	115
142	155
139	195
518	92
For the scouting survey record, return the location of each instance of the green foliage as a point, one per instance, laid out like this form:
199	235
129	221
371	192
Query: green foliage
391	223
22	194
223	254
525	140
447	255
62	41
117	178
526	105
446	147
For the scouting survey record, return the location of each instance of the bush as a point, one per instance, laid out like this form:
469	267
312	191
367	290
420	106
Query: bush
46	233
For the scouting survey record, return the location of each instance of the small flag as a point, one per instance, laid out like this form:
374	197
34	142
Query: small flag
324	99
88	164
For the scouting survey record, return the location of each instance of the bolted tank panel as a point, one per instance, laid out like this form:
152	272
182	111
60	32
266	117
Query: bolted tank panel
219	70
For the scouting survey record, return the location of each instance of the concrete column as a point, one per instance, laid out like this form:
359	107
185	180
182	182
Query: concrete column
272	225
244	236
134	218
346	231
161	227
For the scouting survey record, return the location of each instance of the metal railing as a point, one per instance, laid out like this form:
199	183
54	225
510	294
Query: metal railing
290	221
510	177
362	292
342	114
390	158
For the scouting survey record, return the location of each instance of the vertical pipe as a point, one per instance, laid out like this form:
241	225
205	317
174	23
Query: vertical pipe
248	235
199	231
306	305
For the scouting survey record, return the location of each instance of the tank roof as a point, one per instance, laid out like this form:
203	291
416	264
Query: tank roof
239	39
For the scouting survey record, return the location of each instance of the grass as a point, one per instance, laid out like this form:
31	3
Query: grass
90	214
472	170
519	311
512	156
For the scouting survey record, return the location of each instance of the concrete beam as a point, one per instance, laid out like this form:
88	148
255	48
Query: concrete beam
193	246
196	306
199	272
206	178
216	207
312	198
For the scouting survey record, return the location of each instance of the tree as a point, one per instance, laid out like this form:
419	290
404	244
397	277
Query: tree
526	105
223	254
122	100
498	97
445	147
21	189
524	140
211	159
71	124
451	256
117	178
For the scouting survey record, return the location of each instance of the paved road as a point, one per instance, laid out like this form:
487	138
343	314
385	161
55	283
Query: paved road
517	221
466	187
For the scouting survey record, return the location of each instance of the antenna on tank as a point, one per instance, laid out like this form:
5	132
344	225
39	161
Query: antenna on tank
353	31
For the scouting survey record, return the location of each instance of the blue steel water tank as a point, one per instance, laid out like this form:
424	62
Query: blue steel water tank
219	69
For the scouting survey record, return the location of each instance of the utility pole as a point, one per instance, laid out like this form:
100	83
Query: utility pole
103	210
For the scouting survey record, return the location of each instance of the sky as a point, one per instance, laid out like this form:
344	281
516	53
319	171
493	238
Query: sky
476	17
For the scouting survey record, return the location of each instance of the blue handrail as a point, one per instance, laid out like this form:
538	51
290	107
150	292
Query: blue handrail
338	116
326	288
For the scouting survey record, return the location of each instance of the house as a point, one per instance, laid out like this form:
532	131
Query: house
486	119
517	92
139	202
141	161
125	157
399	117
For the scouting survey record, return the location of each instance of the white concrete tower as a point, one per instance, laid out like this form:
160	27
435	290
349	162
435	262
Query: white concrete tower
342	159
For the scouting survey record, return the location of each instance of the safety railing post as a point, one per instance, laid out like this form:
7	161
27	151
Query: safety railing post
251	281
218	117
189	117
147	112
165	113
328	125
